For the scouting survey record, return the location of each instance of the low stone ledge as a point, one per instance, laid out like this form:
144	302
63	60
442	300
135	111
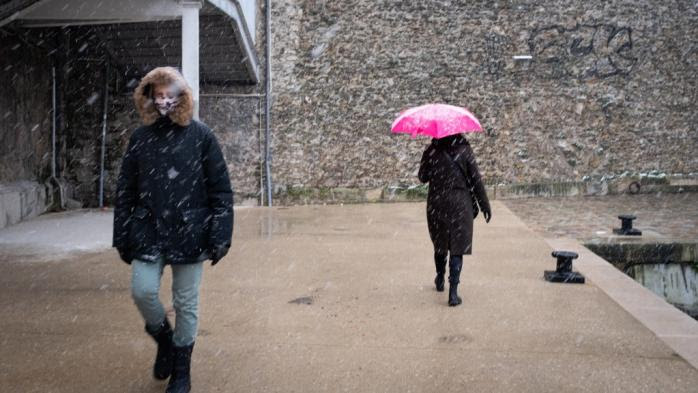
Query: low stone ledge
300	195
20	201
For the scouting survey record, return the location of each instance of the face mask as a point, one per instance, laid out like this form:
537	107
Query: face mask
165	105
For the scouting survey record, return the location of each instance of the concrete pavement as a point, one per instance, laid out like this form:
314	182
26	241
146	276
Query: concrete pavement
336	298
661	216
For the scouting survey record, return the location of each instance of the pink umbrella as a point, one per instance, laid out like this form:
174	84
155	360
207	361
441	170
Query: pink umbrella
436	121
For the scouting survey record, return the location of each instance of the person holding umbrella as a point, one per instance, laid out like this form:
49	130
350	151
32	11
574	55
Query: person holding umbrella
456	191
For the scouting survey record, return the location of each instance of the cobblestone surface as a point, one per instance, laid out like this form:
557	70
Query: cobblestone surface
665	216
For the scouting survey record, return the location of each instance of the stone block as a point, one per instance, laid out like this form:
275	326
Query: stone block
374	195
21	200
11	206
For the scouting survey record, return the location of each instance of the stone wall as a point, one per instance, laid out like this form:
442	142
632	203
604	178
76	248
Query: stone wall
611	87
25	128
232	112
25	111
84	110
234	120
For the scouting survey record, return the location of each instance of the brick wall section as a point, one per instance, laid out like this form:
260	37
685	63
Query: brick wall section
611	87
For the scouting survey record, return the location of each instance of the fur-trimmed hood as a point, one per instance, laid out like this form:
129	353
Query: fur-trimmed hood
142	97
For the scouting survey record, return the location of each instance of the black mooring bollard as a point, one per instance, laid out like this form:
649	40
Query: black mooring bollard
626	227
563	272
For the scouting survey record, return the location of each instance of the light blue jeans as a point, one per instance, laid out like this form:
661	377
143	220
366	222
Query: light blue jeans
145	289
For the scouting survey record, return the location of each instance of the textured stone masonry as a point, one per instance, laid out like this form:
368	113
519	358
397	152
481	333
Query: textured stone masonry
610	88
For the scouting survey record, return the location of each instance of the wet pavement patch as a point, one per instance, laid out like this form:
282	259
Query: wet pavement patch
454	339
307	300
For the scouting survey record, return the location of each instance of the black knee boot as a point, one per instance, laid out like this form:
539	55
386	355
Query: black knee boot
181	376
440	262
455	266
164	359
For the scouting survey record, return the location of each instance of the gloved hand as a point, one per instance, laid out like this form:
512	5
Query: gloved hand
217	253
125	255
488	215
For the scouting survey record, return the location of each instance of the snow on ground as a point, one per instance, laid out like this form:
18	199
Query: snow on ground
59	235
56	235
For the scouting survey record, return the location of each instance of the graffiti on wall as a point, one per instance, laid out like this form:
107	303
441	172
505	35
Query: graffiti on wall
496	45
583	51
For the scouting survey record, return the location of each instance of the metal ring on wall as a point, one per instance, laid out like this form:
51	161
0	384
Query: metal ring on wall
634	188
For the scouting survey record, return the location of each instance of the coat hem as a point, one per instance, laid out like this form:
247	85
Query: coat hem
172	261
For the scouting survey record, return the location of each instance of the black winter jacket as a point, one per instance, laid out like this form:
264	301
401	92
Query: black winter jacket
174	198
450	199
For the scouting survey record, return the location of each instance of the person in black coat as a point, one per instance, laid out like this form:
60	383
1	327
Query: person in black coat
174	206
456	193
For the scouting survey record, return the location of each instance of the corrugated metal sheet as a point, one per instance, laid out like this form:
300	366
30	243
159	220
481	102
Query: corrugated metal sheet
9	7
141	46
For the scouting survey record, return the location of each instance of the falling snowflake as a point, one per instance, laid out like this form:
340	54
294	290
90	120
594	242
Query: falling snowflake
172	173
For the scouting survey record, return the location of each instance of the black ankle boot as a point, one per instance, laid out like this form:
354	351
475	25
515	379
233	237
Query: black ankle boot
453	298
439	282
164	359
440	262
181	376
455	266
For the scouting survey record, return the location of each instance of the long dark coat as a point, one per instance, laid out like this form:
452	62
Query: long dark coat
449	204
174	198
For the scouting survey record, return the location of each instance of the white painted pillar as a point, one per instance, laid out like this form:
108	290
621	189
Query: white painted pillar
190	48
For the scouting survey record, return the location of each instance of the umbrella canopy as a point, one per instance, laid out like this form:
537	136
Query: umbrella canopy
436	121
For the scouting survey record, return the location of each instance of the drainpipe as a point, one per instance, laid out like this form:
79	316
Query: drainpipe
267	110
53	181
262	189
104	135
53	123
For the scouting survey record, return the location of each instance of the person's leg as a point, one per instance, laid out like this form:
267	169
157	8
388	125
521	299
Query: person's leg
455	266
145	289
440	259
185	295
